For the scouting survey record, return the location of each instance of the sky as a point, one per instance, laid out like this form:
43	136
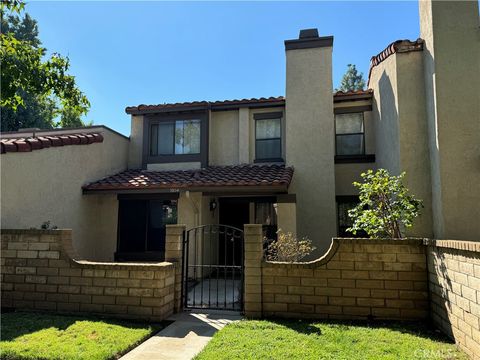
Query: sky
130	53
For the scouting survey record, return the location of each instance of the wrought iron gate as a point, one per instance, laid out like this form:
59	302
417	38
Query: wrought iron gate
213	268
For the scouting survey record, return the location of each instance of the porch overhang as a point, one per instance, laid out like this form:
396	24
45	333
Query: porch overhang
236	179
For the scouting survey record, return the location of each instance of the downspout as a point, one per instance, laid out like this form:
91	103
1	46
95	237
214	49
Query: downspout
195	208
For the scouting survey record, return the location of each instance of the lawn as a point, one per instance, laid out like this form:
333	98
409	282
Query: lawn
250	339
27	335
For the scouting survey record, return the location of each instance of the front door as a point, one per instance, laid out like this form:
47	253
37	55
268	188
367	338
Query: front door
233	212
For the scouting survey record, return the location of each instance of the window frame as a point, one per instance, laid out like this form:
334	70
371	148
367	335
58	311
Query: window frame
363	153
156	119
268	116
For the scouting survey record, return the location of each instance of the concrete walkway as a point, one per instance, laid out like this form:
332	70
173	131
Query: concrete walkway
184	338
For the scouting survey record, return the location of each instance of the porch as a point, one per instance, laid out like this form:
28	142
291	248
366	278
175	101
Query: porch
146	201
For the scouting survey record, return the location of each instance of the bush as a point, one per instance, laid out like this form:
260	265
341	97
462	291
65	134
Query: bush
288	248
386	208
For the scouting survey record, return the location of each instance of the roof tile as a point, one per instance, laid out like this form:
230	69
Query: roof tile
213	176
21	144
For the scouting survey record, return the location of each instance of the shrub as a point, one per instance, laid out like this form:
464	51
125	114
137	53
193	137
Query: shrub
386	208
288	248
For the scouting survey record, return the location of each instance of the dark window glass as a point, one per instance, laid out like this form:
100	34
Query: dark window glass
268	145
177	137
142	227
350	134
345	221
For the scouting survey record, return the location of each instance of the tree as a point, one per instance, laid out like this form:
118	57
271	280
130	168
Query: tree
352	80
386	208
35	92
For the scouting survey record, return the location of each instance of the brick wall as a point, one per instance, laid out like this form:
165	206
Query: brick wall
38	272
357	278
454	276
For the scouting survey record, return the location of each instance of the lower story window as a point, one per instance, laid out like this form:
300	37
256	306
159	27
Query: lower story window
141	228
345	203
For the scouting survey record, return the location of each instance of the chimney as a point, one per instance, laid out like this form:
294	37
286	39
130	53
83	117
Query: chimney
310	134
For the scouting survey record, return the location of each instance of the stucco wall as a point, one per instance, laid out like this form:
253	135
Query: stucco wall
414	153
400	127
232	135
452	56
346	174
136	142
224	138
310	142
45	185
383	81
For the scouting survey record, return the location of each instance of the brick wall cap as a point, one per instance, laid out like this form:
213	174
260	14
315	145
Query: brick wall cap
384	241
466	245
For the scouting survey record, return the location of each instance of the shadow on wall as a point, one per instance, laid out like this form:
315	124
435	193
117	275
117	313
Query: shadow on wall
451	304
388	129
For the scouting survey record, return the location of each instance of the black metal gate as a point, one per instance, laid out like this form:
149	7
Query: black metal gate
213	268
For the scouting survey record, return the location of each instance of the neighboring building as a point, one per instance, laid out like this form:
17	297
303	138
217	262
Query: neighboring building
285	162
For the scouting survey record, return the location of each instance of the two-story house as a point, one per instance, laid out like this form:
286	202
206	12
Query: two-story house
285	162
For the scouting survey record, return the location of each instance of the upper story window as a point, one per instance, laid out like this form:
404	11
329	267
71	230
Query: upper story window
349	134
171	138
175	137
268	137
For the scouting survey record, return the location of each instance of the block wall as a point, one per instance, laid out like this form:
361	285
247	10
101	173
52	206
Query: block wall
38	271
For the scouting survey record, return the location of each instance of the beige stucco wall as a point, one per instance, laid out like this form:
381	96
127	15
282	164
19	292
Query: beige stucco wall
310	142
224	138
383	81
452	56
136	142
346	174
232	135
174	166
287	217
45	185
414	154
400	127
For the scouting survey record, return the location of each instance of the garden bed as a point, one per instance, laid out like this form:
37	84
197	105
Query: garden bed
282	339
33	335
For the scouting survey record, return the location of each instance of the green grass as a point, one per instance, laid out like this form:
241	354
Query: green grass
275	339
28	335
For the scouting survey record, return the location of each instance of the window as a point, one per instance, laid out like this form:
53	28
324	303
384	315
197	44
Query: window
141	228
345	203
350	134
175	137
268	137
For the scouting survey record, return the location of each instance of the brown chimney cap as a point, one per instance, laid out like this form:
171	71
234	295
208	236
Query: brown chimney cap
308	33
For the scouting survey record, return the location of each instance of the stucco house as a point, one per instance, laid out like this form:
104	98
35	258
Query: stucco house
285	162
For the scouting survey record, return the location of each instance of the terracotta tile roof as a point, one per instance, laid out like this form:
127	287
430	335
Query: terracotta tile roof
26	144
213	176
280	100
352	95
399	46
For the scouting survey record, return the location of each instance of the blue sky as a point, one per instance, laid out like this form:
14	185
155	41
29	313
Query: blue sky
130	53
